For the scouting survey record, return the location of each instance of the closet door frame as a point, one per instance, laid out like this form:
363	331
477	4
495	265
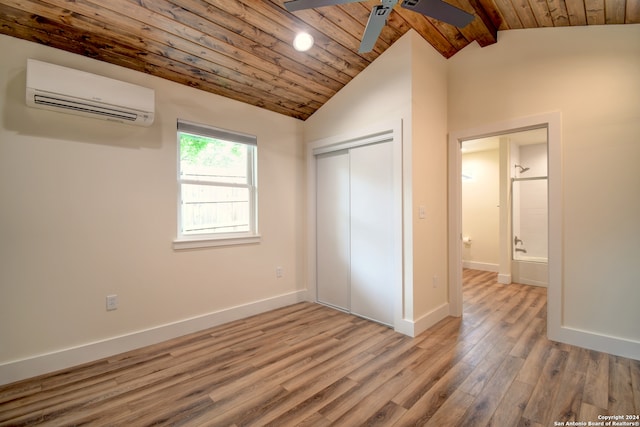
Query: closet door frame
391	132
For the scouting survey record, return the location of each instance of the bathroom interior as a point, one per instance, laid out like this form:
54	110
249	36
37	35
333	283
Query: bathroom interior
505	206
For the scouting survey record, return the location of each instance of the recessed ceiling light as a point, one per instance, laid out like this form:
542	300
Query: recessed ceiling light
303	42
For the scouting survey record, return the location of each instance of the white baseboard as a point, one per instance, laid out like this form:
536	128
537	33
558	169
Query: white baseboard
415	328
482	266
505	279
531	283
593	341
66	358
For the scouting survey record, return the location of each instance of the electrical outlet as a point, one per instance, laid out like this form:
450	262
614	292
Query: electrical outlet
112	302
278	272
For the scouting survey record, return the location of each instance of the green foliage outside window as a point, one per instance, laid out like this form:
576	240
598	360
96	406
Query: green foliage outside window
205	151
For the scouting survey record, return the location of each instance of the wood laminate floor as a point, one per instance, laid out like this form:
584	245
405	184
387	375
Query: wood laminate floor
313	366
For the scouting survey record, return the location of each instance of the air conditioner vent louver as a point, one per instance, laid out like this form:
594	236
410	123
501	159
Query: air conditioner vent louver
72	91
82	107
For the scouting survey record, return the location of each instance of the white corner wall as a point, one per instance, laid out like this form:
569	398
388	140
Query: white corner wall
590	75
408	83
380	94
428	184
88	208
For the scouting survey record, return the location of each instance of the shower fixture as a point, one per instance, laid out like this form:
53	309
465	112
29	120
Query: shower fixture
522	169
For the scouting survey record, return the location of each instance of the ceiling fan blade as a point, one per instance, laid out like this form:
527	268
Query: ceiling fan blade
294	5
440	10
377	20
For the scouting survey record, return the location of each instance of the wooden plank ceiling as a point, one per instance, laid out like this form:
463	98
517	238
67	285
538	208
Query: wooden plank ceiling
241	49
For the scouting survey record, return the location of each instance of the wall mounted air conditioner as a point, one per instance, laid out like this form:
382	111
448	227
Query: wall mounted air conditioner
66	90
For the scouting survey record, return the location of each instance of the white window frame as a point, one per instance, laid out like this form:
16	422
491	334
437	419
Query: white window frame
192	241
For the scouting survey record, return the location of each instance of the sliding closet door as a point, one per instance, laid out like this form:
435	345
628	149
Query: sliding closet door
372	248
332	228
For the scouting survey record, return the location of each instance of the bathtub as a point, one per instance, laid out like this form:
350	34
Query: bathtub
529	270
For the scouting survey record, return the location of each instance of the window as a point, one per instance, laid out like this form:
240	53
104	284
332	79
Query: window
217	187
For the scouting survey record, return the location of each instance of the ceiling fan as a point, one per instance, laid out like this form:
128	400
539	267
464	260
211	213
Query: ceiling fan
437	9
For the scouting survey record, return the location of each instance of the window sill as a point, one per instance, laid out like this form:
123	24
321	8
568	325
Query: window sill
208	242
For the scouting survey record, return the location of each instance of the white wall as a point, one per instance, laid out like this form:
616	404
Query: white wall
428	183
380	93
88	208
480	209
408	82
589	74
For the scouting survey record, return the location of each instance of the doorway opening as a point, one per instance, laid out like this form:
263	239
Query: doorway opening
550	124
505	206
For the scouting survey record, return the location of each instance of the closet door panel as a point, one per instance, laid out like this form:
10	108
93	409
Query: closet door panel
371	195
332	229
